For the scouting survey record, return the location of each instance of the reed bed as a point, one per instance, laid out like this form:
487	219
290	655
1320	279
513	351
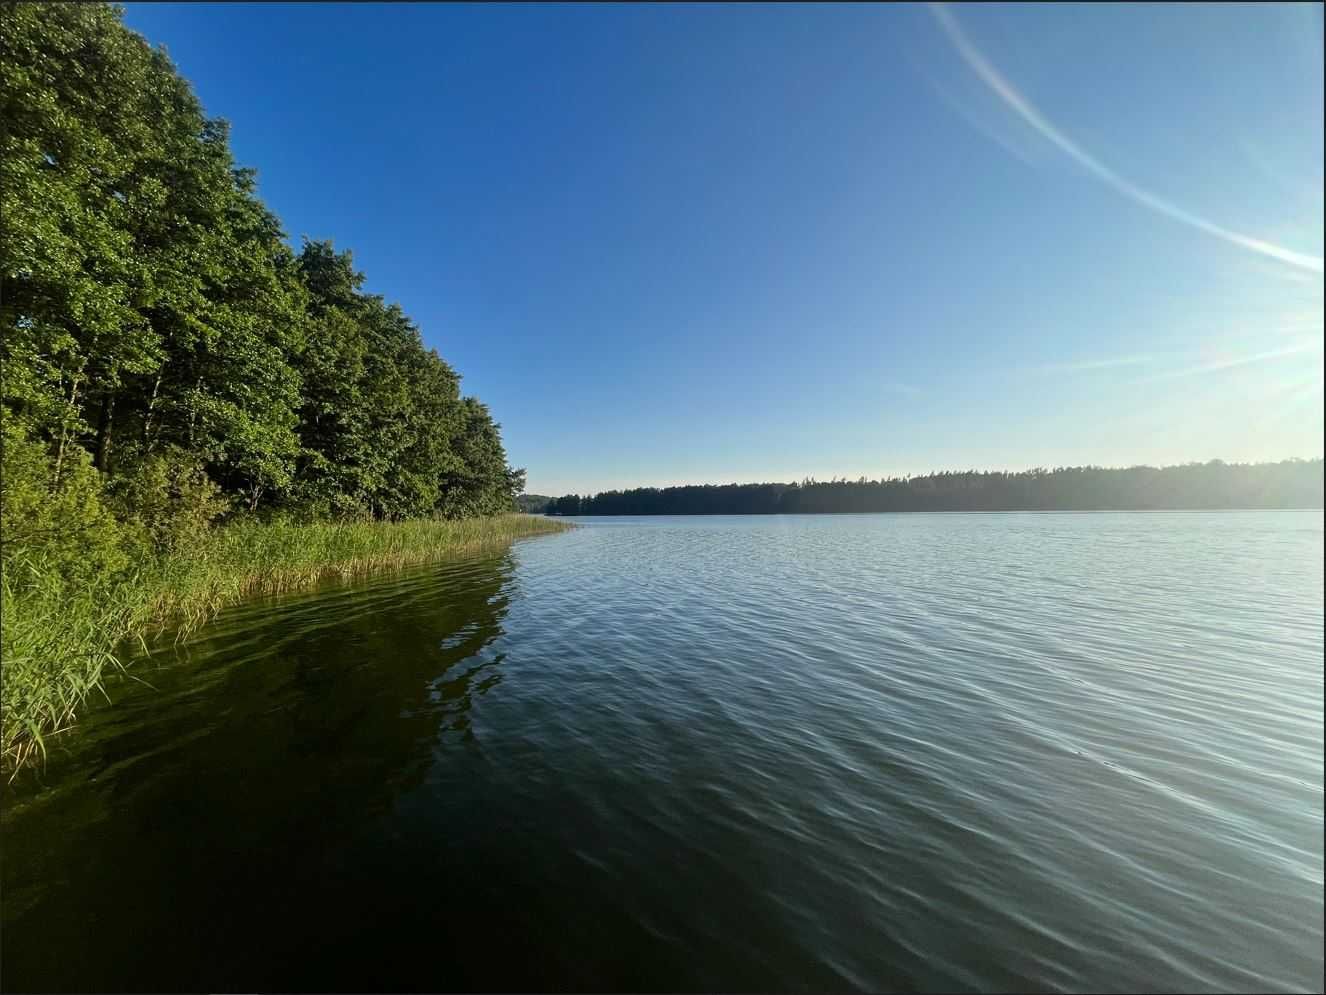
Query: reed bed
60	644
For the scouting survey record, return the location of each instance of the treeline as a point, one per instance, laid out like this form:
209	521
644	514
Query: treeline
532	503
164	349
1287	484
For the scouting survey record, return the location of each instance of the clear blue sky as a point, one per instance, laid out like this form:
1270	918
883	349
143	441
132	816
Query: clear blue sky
682	244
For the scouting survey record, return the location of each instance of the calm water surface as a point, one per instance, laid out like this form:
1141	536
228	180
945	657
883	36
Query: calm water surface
917	752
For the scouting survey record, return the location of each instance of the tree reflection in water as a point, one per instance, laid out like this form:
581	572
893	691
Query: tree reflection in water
244	766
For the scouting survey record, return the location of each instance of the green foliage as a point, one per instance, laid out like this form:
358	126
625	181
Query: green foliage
61	562
150	302
572	504
480	483
58	641
535	504
57	527
169	502
168	363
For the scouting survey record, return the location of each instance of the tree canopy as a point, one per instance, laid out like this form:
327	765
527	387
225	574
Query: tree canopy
155	316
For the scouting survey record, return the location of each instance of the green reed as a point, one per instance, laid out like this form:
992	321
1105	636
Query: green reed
60	642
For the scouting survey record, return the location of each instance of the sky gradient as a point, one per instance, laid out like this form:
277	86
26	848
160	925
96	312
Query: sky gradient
676	244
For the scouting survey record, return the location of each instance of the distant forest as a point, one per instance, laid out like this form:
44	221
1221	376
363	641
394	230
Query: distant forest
534	503
1288	484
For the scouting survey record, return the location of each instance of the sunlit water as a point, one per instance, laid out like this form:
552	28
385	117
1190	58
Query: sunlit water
941	752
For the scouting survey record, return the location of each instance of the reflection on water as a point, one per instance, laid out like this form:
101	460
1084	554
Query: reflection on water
204	824
919	752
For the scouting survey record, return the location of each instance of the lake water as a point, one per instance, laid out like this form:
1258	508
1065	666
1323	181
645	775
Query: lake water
908	752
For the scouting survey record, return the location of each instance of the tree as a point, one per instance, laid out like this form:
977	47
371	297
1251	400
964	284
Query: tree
151	305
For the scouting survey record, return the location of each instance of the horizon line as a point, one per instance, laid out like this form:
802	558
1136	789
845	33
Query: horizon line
838	478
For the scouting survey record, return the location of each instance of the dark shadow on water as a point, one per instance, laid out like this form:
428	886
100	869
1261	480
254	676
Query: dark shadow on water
208	831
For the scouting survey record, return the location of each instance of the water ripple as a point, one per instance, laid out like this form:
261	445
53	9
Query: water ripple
925	752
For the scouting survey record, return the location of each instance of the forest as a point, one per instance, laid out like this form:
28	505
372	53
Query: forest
1211	485
534	504
174	373
159	327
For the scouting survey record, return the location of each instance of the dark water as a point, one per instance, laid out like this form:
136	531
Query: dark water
948	752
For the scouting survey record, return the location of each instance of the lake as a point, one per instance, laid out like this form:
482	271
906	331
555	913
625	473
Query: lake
1036	752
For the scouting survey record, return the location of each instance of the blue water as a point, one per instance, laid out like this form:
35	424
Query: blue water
1051	752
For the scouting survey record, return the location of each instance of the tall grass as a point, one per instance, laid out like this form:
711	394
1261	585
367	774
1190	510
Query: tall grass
60	641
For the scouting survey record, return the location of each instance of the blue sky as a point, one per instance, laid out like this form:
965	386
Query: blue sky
683	244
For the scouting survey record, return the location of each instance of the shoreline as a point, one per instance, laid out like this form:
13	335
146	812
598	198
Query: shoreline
944	511
61	643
